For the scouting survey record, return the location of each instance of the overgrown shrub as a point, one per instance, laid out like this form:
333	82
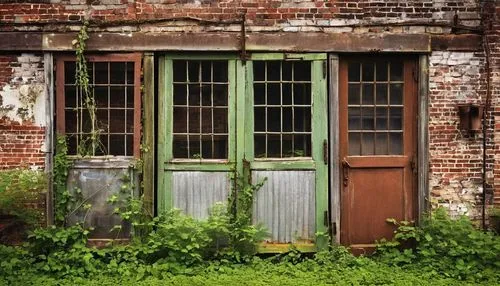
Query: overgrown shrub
19	188
445	246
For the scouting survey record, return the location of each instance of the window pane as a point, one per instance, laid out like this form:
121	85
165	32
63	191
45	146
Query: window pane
206	95
260	119
381	118
396	143
354	96
273	70
194	120
117	96
220	146
70	96
206	120
287	145
302	116
220	71
102	120
302	71
259	91
381	144
220	94
180	94
353	71
69	72
130	145
206	146
287	119
368	96
354	118
274	119
193	71
180	120
396	71
260	145
180	143
220	120
287	70
194	95
259	71
354	143
117	72
395	118
382	71
368	71
130	121
273	146
301	145
194	147
101	72
381	93
101	96
179	71
71	121
130	73
302	94
368	118
367	143
273	94
286	93
117	121
117	145
396	95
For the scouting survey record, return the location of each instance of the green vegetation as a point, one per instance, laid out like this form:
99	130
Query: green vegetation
19	187
179	250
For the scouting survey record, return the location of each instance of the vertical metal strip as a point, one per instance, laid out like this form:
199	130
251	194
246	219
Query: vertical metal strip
423	136
334	146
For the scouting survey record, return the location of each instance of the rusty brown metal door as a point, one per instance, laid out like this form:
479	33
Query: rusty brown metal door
377	111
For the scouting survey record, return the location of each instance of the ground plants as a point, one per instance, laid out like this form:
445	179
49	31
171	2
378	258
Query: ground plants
444	246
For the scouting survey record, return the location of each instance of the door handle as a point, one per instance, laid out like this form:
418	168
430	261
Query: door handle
345	172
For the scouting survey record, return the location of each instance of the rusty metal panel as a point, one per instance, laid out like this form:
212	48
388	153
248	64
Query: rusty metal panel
196	192
285	205
98	179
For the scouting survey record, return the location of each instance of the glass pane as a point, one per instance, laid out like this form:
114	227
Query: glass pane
353	72
194	120
381	118
260	145
396	71
117	145
259	92
130	145
396	96
287	145
117	72
101	73
179	70
368	118
206	146
287	119
396	143
273	94
130	73
70	121
302	71
368	71
69	72
381	93
354	118
286	93
180	149
367	144
206	120
70	96
354	96
381	144
301	145
260	119
274	119
220	94
130	96
220	147
302	94
117	96
273	70
180	120
206	71
220	71
220	120
206	94
72	145
273	146
102	120
101	96
395	118
382	71
194	95
180	94
194	71
287	70
302	119
259	72
368	96
194	147
117	121
354	143
130	121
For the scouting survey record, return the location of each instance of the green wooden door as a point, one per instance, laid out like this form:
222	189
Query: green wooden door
285	141
269	111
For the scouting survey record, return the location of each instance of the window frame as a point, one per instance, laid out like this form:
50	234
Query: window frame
113	57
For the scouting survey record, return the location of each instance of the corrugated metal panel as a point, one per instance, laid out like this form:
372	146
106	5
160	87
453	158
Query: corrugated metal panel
98	180
196	192
286	204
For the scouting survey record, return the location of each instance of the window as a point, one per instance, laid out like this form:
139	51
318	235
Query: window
282	109
375	107
200	107
115	85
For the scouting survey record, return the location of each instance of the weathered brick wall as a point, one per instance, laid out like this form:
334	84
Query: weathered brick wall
455	156
261	15
22	111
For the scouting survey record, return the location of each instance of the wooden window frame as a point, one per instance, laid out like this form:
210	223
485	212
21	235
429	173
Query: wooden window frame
60	95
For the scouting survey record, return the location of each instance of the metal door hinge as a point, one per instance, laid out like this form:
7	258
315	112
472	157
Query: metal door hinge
334	228
325	69
325	151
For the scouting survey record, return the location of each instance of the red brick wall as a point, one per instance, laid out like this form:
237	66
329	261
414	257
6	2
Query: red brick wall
20	144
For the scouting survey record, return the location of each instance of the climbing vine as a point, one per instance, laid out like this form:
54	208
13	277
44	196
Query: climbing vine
87	145
61	194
